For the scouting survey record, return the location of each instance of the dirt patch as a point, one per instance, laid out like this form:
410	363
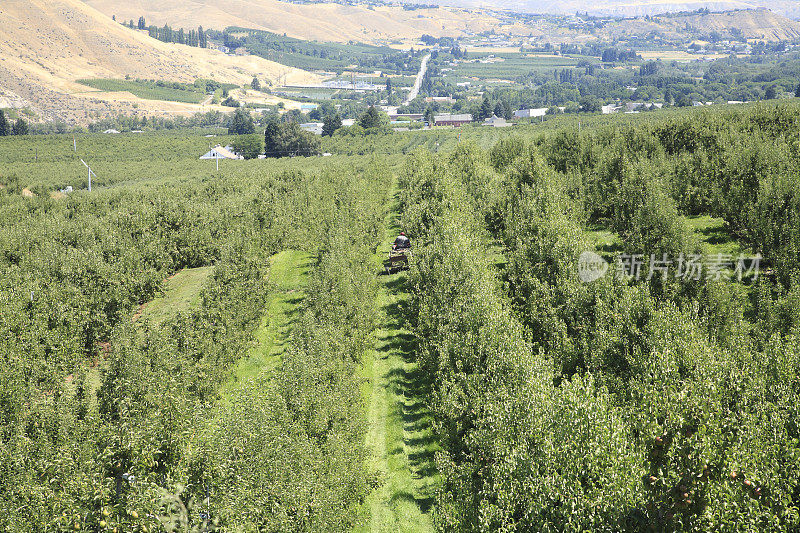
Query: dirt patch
27	193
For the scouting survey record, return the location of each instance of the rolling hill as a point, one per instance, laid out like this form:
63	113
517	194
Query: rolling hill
754	24
324	22
759	24
46	45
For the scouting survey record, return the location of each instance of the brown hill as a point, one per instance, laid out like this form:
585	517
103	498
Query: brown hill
325	22
754	24
46	45
760	24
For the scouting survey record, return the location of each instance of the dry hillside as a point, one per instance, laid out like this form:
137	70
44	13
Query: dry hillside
754	24
325	22
45	45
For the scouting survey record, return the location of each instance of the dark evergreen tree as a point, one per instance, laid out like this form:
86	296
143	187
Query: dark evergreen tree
485	109
498	109
20	127
389	86
429	116
330	124
241	123
5	127
142	24
271	135
255	84
202	37
797	91
508	113
372	118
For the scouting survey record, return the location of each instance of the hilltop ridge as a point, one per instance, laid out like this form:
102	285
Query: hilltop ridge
318	21
47	45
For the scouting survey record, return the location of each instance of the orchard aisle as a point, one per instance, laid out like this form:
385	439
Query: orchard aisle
288	276
399	433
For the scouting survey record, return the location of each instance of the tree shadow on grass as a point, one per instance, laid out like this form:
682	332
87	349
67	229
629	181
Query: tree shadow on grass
412	386
716	235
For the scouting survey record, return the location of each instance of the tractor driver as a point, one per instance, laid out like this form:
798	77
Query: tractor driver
401	242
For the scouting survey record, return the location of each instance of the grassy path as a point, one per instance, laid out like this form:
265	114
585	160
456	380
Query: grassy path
399	435
288	275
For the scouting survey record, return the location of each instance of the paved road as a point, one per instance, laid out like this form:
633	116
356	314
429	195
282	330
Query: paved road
418	83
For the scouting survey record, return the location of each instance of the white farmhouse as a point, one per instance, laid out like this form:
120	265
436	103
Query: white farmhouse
218	152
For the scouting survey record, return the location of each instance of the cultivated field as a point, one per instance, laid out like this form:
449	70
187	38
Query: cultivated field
598	330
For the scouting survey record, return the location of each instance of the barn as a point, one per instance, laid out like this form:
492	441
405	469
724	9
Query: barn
452	120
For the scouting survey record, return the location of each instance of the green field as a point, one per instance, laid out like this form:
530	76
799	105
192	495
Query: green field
149	90
320	55
512	67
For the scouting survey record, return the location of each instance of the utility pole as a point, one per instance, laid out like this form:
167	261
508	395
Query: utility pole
90	173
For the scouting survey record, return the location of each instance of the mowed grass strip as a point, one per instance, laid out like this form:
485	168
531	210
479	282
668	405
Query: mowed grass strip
714	236
399	434
181	293
288	276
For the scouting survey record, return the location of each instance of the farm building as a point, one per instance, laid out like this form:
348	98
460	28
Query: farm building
530	113
313	127
440	99
496	122
218	152
452	120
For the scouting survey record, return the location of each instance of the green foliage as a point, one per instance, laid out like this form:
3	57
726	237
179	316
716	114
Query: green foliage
76	269
288	452
5	127
248	146
241	123
20	127
287	139
550	394
330	124
373	119
619	405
